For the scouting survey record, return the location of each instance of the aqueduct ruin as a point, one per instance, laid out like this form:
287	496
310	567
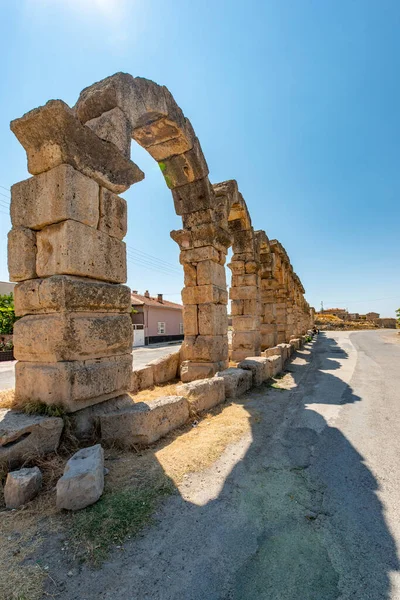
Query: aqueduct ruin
73	342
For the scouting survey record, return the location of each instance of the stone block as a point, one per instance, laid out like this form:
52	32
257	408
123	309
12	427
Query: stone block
22	486
191	370
72	336
62	293
207	348
295	343
212	319
209	272
199	217
165	368
246	339
194	196
237	307
190	274
211	234
59	194
52	135
141	379
243	280
237	267
273	351
237	381
85	423
203	394
73	385
82	483
244	292
71	248
267	340
285	351
204	294
251	266
165	138
245	323
258	367
190	319
21	254
184	168
243	241
274	365
113	126
25	437
145	422
113	214
196	255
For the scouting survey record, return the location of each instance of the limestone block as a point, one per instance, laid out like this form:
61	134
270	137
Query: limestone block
113	214
85	423
21	254
295	343
204	294
237	381
72	336
237	307
208	348
190	319
82	483
243	241
52	135
274	365
211	234
285	351
203	394
22	486
190	274
258	367
251	267
141	379
59	194
209	272
165	368
196	255
273	351
25	437
267	340
113	126
244	292
237	267
192	370
241	280
245	323
246	339
62	293
71	248
199	217
145	422
194	196
252	307
184	168
165	138
212	319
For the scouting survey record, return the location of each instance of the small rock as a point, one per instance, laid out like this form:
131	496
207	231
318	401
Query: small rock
106	471
22	486
83	481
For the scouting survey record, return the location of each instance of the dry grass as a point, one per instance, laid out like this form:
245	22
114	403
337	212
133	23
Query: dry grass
7	399
164	389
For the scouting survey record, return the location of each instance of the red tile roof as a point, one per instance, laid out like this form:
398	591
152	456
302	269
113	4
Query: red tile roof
139	300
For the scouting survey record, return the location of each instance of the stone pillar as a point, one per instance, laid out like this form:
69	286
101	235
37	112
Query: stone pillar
74	340
268	287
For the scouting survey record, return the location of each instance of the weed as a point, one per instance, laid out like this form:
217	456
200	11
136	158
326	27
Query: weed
39	408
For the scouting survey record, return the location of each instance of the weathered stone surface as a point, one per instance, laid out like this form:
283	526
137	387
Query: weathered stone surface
22	486
141	379
62	293
209	272
165	138
52	135
212	319
205	348
295	343
71	248
190	319
184	168
113	214
145	422
23	437
72	336
193	196
21	254
286	351
85	423
59	194
244	292
192	370
204	294
113	126
258	367
73	385
274	365
82	483
165	368
237	381
245	322
273	351
198	254
190	273
203	394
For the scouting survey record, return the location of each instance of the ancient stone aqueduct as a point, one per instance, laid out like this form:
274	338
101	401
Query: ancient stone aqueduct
74	341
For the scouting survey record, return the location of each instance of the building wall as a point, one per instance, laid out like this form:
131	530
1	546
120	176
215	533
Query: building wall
6	288
171	317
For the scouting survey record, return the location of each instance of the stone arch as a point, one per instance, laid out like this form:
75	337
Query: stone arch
121	108
245	265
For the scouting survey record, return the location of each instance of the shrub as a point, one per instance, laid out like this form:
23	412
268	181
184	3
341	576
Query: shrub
7	314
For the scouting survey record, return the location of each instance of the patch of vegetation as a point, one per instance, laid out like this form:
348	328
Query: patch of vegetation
113	518
276	386
308	338
398	317
40	408
7	314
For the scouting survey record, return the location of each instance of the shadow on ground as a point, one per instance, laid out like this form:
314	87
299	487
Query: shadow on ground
289	513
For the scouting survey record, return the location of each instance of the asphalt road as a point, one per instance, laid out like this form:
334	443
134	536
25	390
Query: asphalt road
306	507
141	356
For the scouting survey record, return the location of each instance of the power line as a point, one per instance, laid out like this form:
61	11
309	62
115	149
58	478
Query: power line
152	258
4	188
8	197
136	262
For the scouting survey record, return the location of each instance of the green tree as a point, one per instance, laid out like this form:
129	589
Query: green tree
7	314
398	317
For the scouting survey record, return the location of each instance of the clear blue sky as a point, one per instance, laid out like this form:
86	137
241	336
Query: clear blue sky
298	100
